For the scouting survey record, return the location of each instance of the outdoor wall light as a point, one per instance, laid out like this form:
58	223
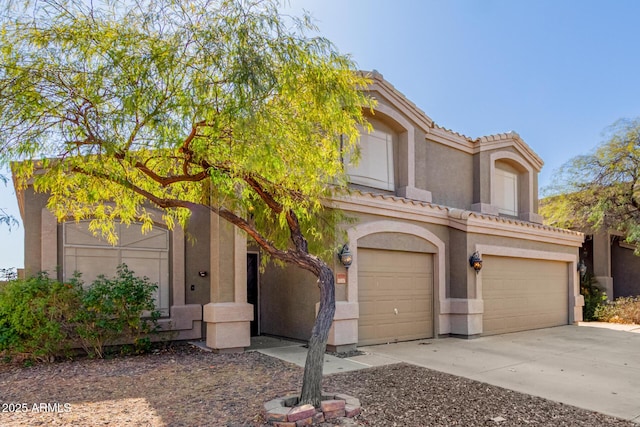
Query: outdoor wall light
582	269
344	255
475	261
202	273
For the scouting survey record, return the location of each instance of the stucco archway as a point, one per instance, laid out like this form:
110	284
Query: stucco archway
386	226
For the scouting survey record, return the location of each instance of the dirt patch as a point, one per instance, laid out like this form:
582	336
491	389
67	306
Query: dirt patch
184	386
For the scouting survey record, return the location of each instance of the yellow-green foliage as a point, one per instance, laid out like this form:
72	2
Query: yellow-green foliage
594	297
180	103
600	190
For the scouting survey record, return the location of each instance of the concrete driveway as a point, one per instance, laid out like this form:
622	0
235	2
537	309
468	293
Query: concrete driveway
589	367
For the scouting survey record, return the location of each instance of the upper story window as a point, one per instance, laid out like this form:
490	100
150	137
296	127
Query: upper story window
375	168
506	189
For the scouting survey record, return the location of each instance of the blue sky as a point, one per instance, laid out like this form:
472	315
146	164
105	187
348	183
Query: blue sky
557	72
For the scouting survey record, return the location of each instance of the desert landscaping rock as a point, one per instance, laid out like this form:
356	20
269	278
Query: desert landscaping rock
183	386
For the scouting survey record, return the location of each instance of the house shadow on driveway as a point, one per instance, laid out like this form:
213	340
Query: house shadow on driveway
591	366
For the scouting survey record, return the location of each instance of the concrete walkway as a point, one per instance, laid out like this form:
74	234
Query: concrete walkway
595	366
296	353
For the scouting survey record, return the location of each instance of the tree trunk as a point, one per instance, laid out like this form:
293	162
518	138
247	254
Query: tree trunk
312	380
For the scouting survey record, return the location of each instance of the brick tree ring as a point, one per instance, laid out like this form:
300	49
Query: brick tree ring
284	412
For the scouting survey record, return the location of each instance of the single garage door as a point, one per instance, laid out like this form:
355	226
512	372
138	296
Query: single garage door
395	292
521	294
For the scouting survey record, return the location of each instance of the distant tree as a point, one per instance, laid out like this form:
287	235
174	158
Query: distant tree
600	190
225	104
7	274
5	218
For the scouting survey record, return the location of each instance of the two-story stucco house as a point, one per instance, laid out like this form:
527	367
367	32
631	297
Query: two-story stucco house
426	199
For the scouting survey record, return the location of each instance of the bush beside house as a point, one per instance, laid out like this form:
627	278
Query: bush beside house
594	297
622	310
41	318
598	308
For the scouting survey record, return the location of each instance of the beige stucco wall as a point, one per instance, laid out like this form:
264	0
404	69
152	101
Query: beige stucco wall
33	203
513	242
446	173
222	260
396	242
288	297
481	182
458	251
198	257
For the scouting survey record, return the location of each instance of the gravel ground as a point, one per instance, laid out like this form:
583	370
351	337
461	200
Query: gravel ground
184	386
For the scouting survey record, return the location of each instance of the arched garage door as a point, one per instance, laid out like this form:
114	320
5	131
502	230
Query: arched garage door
395	294
521	294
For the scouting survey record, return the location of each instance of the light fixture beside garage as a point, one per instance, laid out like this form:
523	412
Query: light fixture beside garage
475	261
582	269
345	257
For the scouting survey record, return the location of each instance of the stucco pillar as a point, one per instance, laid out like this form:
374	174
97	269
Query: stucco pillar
602	262
185	319
228	315
343	334
49	243
482	185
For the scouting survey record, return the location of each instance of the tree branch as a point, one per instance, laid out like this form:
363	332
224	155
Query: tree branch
294	256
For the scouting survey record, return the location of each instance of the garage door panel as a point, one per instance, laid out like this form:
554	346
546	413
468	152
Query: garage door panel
395	295
521	294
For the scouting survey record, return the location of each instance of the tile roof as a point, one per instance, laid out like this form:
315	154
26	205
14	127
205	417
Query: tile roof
465	214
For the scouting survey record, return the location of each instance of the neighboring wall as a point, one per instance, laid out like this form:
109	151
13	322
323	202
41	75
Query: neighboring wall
625	269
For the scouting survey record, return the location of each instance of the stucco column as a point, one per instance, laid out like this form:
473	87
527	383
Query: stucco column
185	319
49	243
482	185
343	334
602	261
228	315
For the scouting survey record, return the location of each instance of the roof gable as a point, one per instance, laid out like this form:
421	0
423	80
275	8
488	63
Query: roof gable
446	136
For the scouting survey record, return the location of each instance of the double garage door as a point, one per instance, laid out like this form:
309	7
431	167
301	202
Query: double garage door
395	293
521	294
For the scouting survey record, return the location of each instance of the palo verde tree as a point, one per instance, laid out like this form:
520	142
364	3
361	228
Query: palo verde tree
228	104
600	190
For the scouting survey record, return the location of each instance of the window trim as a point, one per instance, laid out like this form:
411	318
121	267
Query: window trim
525	184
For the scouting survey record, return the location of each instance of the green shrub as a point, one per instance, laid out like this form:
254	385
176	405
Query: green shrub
36	316
112	311
594	297
41	317
622	310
